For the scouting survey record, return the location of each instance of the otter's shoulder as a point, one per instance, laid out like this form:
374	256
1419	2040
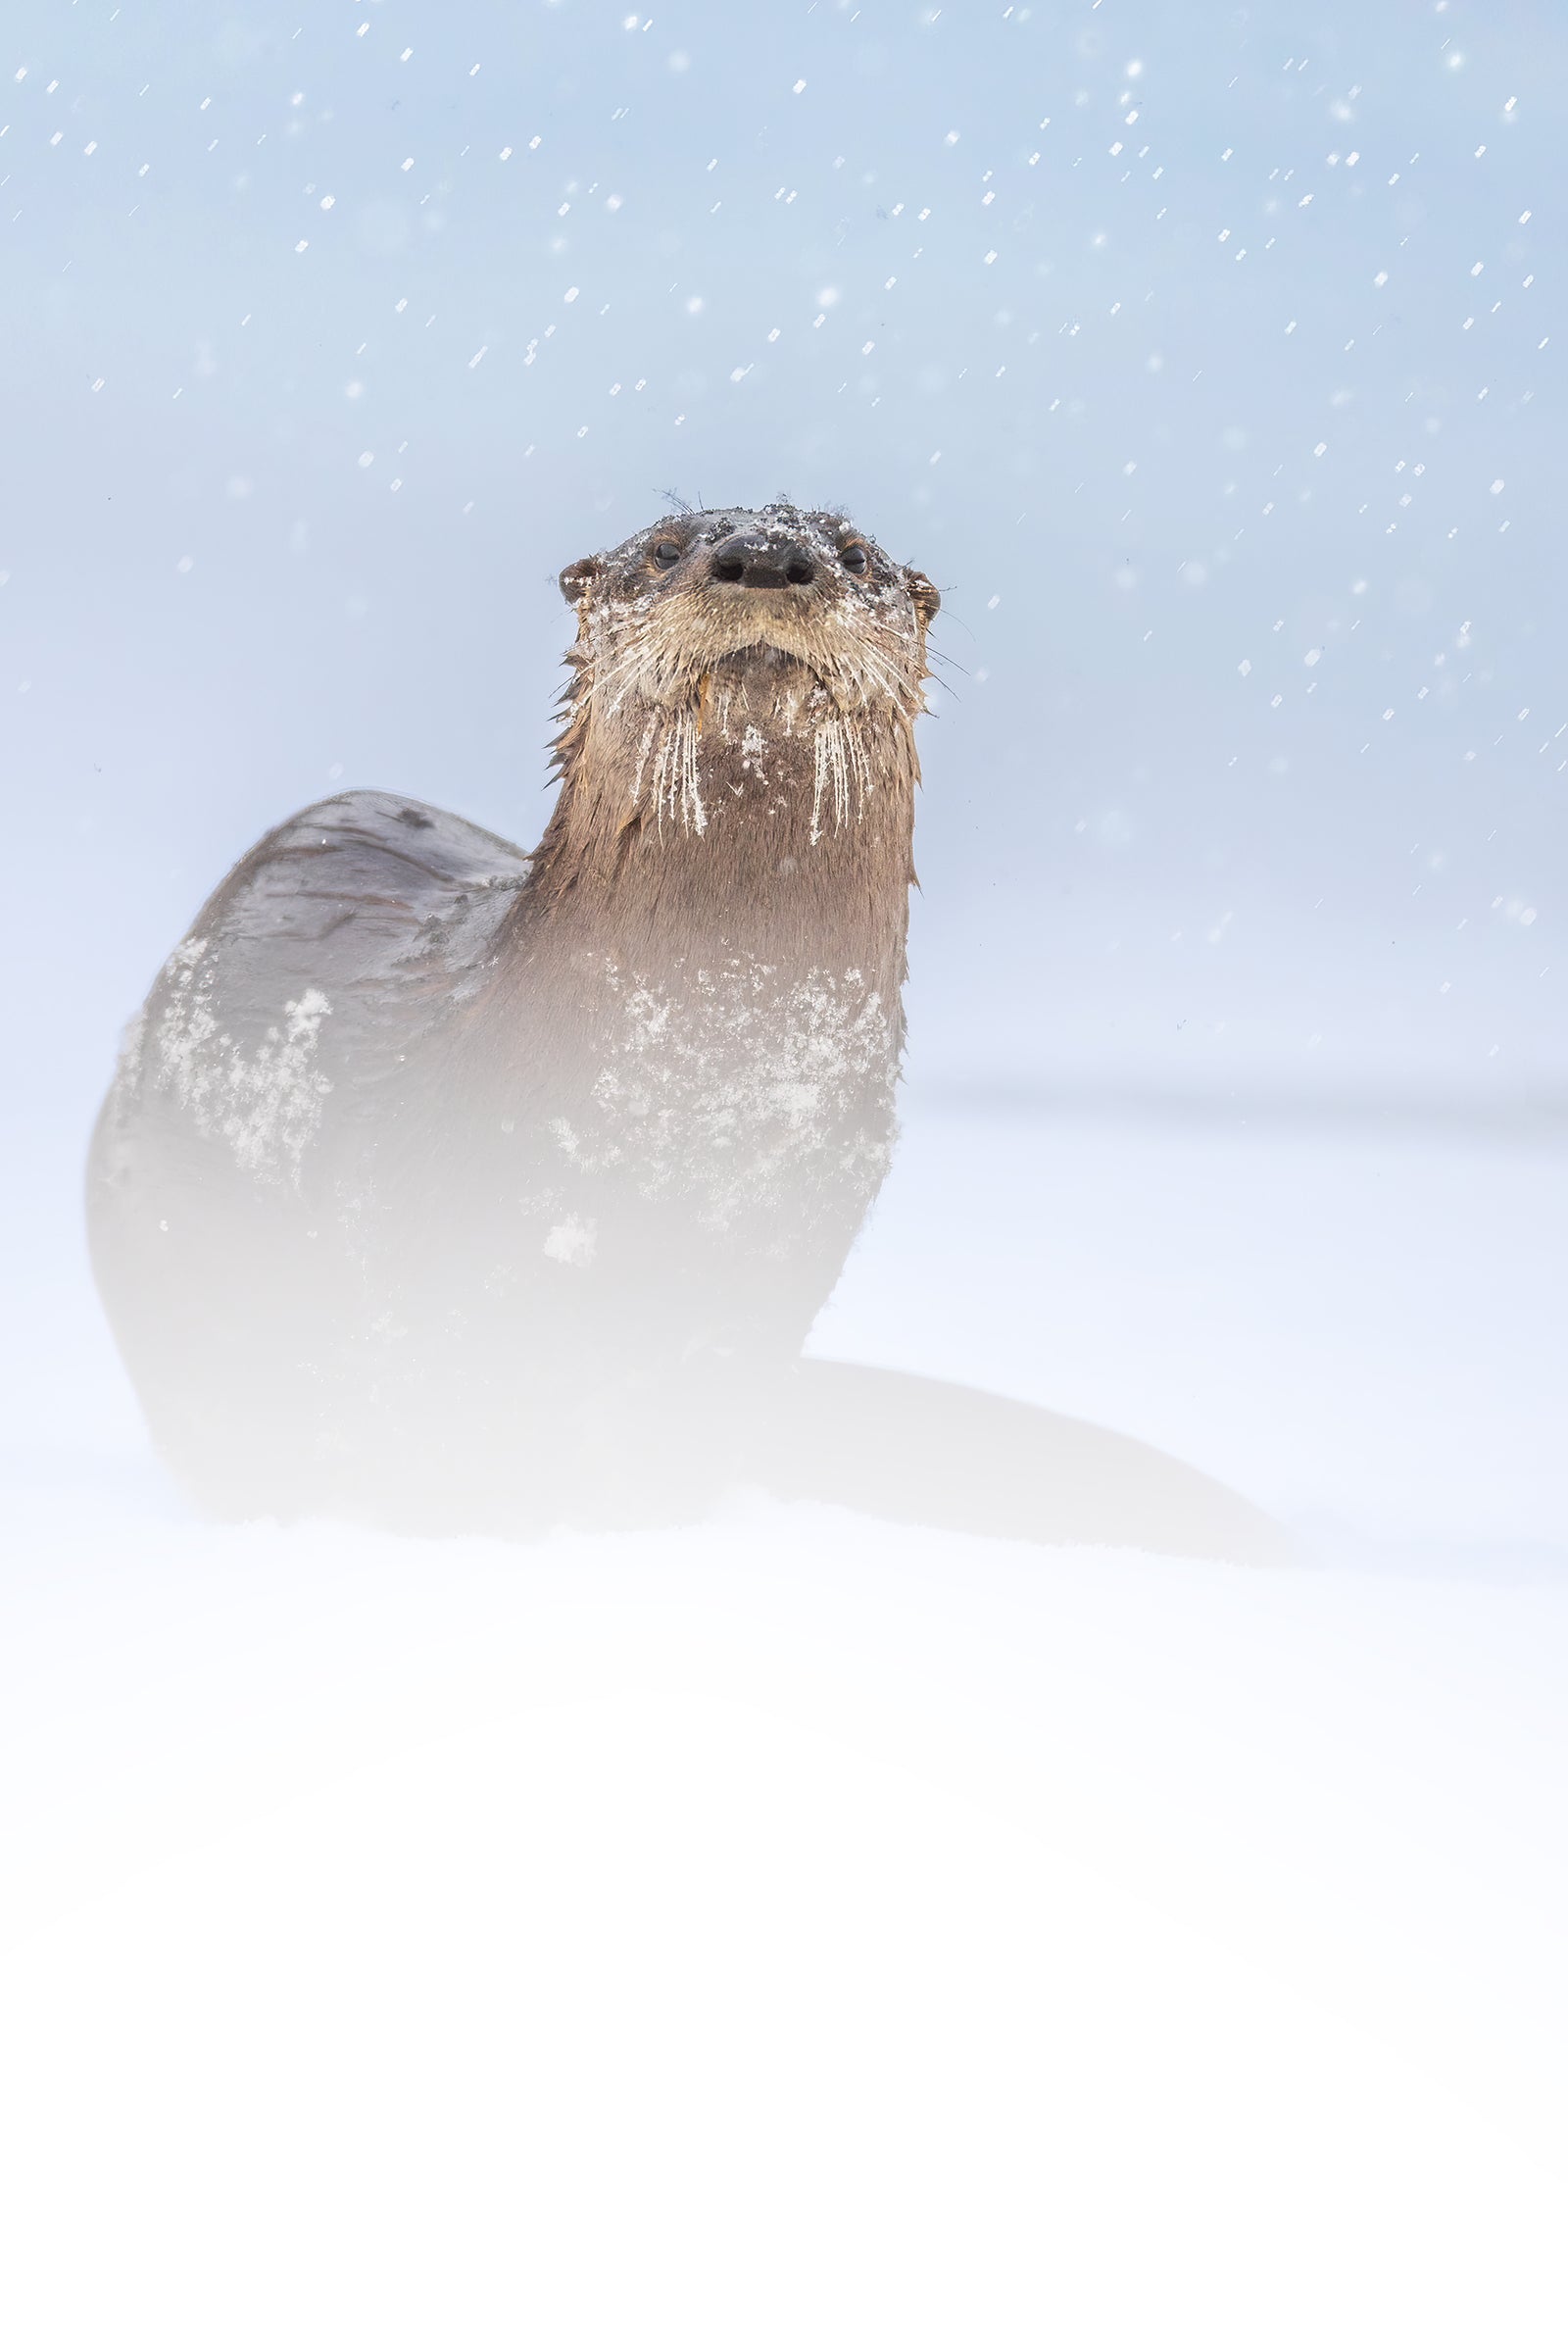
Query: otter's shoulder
382	863
322	959
363	895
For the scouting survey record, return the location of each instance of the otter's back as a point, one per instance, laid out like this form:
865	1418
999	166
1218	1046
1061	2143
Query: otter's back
323	956
249	1081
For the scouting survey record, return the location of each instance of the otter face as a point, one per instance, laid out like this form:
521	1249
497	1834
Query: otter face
735	590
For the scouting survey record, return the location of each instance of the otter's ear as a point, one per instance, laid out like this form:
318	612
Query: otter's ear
576	582
923	593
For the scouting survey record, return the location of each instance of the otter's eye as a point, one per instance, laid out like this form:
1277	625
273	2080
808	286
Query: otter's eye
665	553
855	559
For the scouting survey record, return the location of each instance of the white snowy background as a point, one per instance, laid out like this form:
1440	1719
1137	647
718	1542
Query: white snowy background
799	1925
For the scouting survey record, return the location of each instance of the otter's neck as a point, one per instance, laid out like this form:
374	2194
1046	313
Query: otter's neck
702	973
755	825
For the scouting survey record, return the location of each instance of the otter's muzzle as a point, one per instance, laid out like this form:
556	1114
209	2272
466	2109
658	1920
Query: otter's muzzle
766	561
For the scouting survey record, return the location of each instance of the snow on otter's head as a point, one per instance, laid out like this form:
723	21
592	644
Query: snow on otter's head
771	601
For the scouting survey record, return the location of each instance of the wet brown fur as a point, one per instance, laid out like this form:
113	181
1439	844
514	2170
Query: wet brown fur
424	1148
772	869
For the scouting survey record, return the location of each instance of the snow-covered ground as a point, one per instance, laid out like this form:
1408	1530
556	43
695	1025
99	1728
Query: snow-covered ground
802	1925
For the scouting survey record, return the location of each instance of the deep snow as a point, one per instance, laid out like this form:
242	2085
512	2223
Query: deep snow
801	1923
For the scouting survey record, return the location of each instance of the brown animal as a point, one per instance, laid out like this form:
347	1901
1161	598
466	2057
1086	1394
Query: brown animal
443	1183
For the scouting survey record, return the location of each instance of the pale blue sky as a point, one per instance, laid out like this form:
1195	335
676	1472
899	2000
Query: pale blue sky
1208	359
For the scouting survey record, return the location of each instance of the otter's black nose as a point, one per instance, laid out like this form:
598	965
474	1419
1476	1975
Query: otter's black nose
760	560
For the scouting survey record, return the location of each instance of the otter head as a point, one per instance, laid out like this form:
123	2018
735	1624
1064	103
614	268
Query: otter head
770	602
763	666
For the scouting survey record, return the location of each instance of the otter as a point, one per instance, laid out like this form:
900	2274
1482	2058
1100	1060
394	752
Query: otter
446	1184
